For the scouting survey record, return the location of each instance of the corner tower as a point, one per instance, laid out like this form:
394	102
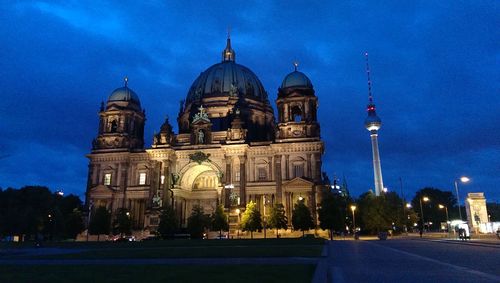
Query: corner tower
373	124
121	122
297	109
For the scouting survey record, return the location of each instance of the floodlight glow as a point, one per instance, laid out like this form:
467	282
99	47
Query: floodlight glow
464	179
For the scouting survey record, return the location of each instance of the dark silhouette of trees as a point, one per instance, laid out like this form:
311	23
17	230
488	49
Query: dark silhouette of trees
432	212
332	212
122	224
168	222
251	219
100	222
301	217
277	218
219	220
198	221
36	212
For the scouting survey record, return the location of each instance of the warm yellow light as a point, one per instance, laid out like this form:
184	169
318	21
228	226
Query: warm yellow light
425	199
238	210
464	179
441	206
353	207
408	205
469	200
301	198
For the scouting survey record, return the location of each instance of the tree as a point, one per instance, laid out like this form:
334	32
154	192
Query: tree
219	220
251	219
374	215
332	212
100	222
122	223
198	221
35	211
168	222
431	211
493	210
301	217
74	224
277	218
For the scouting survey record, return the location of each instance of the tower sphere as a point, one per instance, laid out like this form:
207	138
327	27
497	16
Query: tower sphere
373	122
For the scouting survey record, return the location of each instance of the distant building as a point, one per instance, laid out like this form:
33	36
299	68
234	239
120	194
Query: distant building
230	149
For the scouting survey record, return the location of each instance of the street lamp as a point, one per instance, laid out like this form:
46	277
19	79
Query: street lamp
353	208
238	211
88	219
425	199
462	179
447	218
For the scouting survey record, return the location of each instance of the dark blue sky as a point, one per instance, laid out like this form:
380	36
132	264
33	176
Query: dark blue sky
435	71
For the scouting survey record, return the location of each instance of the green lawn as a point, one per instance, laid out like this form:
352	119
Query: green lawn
191	249
156	273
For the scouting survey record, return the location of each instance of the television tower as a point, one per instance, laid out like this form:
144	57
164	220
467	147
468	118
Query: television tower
372	124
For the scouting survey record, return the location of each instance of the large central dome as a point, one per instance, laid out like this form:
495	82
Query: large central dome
224	89
227	79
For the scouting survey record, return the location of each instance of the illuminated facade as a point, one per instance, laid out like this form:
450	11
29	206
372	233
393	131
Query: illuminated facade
229	149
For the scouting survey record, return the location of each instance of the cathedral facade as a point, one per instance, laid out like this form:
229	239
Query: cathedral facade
229	149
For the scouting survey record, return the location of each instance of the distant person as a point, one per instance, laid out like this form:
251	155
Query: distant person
421	232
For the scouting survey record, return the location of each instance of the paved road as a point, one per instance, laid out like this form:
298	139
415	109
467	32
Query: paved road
411	261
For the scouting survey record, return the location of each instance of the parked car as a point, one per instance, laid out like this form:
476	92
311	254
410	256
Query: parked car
119	239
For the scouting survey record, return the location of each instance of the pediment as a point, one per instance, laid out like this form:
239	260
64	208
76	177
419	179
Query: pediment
101	189
298	183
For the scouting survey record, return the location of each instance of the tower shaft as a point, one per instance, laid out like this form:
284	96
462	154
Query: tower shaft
377	170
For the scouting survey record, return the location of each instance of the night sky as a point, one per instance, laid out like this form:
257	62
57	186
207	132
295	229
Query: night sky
434	65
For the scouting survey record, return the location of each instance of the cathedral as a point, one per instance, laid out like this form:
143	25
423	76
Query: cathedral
230	149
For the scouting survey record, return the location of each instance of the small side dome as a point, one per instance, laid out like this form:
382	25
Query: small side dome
124	94
296	79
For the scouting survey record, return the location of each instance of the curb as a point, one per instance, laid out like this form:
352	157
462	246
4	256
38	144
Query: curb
321	271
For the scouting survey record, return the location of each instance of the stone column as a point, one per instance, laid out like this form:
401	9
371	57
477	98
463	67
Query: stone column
243	180
287	167
286	115
307	114
317	175
270	162
167	183
227	192
277	173
309	165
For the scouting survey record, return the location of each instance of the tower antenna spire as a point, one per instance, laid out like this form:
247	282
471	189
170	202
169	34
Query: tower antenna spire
370	96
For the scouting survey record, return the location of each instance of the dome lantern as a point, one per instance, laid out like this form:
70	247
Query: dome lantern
228	54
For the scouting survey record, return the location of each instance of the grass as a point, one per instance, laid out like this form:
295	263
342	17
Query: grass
189	249
156	273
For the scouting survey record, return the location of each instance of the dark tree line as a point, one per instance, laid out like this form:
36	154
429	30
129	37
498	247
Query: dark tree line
34	212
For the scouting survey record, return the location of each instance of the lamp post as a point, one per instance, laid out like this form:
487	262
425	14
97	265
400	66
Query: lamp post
462	179
88	219
425	199
353	208
238	211
447	218
264	216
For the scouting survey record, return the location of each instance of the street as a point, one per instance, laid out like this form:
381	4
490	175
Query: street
412	260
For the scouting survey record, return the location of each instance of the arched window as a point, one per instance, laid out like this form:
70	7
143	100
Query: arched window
296	114
114	126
